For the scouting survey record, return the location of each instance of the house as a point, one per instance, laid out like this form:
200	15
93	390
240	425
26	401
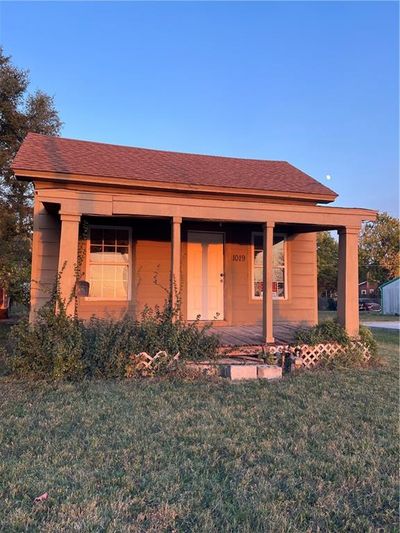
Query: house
368	289
390	297
236	236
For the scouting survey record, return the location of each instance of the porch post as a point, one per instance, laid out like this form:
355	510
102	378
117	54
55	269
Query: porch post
175	258
68	258
348	312
268	241
37	249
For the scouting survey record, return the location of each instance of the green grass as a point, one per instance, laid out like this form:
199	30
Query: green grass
377	317
5	327
365	316
316	451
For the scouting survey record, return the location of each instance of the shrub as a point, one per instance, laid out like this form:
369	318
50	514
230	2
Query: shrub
329	331
57	346
164	329
51	348
332	331
353	357
107	346
369	341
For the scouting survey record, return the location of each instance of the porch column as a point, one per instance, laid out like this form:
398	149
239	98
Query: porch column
175	258
268	232
68	258
347	308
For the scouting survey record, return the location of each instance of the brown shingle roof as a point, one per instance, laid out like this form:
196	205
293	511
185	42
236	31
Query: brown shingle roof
40	153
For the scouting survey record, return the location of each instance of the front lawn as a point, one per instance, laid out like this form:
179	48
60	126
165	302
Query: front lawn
5	326
365	316
317	451
373	316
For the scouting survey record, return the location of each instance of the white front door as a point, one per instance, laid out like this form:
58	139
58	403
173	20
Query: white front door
205	282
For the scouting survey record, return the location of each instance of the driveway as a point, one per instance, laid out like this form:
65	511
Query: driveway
395	324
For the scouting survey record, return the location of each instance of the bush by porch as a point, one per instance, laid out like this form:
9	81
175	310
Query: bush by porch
59	346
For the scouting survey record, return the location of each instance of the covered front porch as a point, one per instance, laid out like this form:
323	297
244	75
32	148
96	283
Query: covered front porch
159	233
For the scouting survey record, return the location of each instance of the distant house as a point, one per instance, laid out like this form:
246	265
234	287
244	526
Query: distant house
390	297
237	237
368	289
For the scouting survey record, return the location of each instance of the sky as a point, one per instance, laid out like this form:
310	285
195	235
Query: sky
312	83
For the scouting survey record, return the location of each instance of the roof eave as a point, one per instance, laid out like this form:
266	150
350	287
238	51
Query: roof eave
389	282
30	175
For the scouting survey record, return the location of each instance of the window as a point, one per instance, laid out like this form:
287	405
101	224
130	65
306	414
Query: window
109	263
278	264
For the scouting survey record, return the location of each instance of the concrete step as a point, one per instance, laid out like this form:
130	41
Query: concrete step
239	372
236	369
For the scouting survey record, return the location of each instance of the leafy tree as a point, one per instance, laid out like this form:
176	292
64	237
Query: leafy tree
20	112
327	260
379	254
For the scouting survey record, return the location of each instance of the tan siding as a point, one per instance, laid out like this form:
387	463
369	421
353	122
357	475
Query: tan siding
301	302
45	248
151	257
152	264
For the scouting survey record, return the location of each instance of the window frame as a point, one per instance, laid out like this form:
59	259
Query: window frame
87	264
285	256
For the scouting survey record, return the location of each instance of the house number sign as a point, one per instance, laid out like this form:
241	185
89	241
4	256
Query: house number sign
239	258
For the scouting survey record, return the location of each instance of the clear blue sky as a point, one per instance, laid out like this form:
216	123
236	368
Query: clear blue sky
312	83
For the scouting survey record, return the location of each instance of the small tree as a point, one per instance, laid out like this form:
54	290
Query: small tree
327	259
379	254
20	113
